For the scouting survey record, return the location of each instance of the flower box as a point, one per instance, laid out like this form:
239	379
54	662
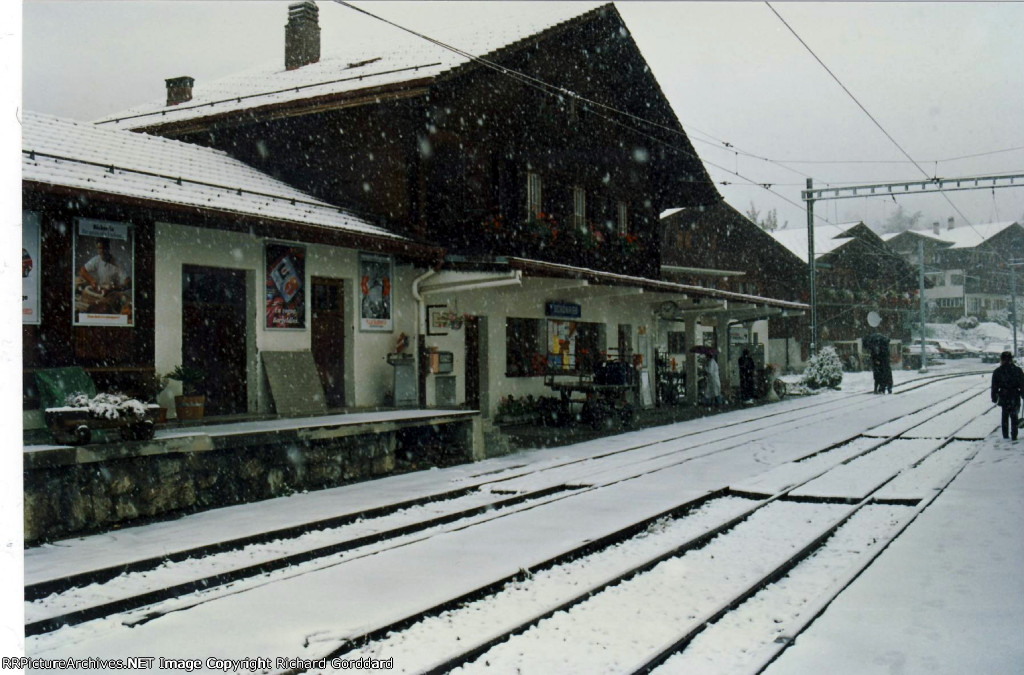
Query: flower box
73	423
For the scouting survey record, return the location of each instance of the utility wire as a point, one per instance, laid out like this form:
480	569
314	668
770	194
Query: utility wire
848	92
562	91
870	116
555	90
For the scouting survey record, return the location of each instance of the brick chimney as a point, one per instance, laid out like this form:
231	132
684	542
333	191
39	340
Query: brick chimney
949	223
935	228
302	35
179	89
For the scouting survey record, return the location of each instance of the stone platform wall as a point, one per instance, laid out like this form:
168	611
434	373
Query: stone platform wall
71	491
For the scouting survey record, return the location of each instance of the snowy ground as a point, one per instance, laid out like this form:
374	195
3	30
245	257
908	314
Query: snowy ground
945	596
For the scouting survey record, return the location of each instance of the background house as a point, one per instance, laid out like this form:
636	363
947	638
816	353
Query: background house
970	267
718	247
857	273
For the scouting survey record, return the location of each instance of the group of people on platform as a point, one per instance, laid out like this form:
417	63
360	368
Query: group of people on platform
881	369
712	394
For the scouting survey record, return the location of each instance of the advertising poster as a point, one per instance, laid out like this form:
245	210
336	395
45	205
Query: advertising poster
561	345
104	259
30	267
286	286
376	303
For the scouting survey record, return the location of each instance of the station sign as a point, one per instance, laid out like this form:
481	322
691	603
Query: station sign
563	310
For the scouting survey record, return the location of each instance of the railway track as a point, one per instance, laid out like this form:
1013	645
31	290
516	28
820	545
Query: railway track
326	542
661	586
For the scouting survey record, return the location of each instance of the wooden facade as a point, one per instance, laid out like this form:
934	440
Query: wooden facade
861	276
116	357
121	358
446	160
720	237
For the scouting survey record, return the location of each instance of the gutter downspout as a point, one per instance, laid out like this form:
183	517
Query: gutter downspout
514	278
421	320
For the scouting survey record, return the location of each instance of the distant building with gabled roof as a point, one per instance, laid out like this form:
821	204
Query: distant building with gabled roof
856	274
967	266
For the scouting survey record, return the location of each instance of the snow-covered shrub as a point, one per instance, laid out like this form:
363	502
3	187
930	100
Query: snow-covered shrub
967	322
824	370
109	406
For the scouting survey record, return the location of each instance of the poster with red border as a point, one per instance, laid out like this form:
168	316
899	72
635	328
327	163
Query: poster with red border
376	297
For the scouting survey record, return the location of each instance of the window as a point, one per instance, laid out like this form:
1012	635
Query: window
623	218
523	347
579	208
574	346
676	342
533	194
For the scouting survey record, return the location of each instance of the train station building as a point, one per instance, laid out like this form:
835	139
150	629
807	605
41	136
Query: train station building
378	230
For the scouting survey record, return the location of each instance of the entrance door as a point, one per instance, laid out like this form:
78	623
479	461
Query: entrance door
213	304
328	337
472	328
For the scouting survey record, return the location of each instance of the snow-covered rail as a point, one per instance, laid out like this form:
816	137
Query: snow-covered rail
578	594
484	499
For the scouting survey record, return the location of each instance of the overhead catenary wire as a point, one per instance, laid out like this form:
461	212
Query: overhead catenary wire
562	91
590	107
866	112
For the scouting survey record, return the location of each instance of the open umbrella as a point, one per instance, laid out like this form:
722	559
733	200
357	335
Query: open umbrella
705	350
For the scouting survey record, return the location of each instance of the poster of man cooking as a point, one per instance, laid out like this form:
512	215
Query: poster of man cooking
104	257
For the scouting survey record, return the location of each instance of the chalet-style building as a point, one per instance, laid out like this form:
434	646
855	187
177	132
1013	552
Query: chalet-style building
856	274
718	247
541	168
968	267
217	262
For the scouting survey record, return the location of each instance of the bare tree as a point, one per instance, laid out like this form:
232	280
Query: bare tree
900	220
769	223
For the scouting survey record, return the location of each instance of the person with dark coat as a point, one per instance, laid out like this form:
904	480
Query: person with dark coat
746	364
1007	389
878	347
884	364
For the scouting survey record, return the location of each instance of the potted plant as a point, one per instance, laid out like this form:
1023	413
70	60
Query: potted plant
189	406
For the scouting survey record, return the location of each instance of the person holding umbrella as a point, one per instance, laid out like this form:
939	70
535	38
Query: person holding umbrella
712	383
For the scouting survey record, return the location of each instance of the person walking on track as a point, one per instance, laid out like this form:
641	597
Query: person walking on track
1007	389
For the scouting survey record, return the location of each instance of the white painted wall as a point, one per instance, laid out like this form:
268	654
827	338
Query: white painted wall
527	302
367	373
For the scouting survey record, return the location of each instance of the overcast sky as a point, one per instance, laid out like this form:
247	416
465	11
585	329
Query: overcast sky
945	80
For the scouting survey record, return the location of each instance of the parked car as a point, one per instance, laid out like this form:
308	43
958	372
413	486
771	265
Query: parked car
969	349
912	354
950	349
992	352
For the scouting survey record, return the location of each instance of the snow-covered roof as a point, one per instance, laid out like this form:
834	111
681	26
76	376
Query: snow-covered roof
827	238
889	236
966	236
656	285
81	155
361	62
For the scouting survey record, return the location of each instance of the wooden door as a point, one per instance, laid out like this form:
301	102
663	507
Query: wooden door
472	328
213	339
328	337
